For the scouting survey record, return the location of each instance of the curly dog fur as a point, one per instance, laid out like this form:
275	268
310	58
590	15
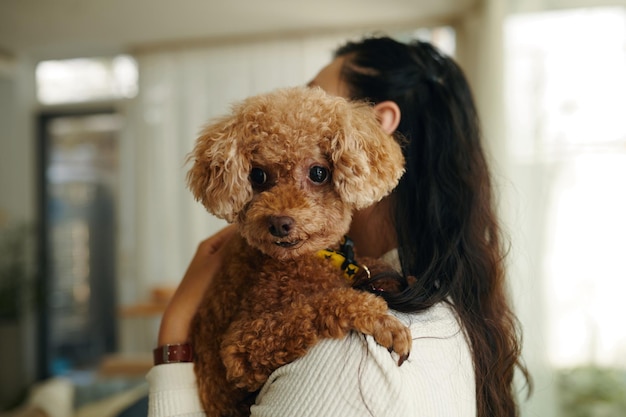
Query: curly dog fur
289	168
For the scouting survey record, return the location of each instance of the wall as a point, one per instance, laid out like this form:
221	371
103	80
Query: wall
17	205
17	153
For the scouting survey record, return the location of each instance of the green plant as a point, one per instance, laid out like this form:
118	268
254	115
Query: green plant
592	391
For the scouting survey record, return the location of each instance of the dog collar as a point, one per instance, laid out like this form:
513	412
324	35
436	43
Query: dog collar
343	258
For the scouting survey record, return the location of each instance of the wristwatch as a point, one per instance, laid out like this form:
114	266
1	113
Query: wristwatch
177	353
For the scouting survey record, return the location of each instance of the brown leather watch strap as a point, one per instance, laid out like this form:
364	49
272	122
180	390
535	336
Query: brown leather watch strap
173	354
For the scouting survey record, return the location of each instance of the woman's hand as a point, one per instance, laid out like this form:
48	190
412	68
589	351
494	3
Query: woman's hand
200	272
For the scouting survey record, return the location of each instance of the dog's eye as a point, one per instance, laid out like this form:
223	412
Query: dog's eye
318	174
258	176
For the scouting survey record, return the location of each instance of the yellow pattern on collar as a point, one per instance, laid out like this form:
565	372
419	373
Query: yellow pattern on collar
338	259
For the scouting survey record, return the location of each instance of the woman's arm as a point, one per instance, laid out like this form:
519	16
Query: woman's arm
173	390
183	305
349	377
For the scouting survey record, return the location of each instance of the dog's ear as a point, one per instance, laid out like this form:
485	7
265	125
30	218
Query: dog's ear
368	162
219	175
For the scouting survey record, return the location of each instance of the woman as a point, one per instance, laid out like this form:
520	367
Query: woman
438	226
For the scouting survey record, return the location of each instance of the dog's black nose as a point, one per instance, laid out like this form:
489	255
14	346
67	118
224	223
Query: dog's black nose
280	226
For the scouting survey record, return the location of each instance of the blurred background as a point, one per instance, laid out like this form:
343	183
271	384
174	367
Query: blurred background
100	102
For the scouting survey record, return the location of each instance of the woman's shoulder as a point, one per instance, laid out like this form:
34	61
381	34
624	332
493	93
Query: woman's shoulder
356	376
440	320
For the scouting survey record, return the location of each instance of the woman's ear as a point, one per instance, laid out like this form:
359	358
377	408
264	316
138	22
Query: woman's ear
388	114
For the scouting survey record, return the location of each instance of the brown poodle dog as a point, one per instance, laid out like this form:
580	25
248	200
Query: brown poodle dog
289	168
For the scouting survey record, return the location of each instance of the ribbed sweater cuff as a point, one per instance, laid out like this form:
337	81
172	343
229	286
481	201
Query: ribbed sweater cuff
173	391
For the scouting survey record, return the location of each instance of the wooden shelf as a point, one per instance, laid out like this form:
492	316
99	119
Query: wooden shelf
125	364
160	296
142	310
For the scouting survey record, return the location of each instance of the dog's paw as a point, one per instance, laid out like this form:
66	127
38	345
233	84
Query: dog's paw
395	336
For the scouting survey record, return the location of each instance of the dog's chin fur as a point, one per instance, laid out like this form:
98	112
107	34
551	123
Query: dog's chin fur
293	247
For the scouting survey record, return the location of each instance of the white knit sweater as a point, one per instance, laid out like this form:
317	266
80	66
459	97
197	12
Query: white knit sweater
351	377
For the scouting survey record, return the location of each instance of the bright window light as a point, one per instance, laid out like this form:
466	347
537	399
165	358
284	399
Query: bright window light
566	84
86	79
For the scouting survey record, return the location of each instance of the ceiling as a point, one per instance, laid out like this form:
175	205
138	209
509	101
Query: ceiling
44	29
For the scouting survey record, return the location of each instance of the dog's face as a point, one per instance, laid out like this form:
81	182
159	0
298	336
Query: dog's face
290	167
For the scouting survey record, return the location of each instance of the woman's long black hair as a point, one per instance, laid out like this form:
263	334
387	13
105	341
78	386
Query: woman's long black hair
449	239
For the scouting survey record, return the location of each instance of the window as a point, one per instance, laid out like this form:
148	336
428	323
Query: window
86	79
566	95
